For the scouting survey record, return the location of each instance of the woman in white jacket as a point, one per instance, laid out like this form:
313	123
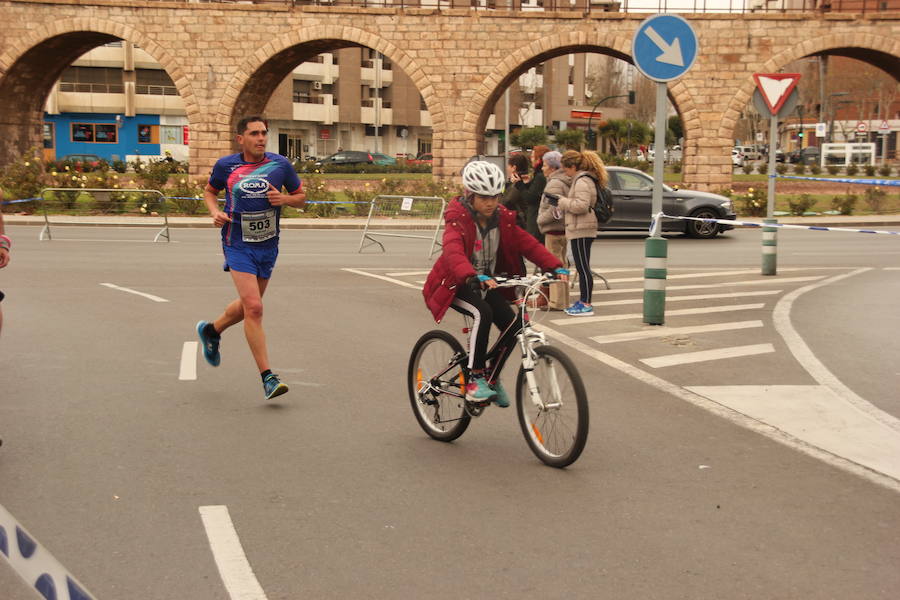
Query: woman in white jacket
585	168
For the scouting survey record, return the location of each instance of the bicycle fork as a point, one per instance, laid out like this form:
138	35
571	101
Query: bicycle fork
528	339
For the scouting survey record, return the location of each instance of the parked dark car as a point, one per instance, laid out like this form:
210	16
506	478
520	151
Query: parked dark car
632	200
809	155
87	159
383	159
347	157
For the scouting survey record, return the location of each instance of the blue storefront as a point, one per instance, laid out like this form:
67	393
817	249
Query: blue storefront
109	136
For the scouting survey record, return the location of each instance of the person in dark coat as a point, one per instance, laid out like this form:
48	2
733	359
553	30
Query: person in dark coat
481	240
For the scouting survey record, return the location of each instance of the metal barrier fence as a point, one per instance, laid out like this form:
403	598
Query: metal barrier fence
388	211
104	197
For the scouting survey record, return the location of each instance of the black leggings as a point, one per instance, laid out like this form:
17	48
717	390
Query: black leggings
492	308
581	252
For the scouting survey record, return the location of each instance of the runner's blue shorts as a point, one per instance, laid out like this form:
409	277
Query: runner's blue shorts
251	258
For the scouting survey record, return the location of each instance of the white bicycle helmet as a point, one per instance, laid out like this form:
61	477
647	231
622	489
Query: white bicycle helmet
483	178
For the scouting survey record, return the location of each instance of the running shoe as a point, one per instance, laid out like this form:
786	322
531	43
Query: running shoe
273	387
478	390
210	345
501	399
579	309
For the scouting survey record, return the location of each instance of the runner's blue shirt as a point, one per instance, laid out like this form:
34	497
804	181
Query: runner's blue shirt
246	184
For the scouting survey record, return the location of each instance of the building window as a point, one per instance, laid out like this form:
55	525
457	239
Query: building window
171	134
371	131
91	80
48	136
106	133
154	82
148	134
82	132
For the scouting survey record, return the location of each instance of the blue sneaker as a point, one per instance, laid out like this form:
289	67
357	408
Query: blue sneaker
210	345
501	399
478	390
579	309
273	387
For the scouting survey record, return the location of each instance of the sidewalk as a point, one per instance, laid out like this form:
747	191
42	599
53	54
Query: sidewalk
385	223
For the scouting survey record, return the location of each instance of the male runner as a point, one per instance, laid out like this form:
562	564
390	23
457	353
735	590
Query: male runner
252	180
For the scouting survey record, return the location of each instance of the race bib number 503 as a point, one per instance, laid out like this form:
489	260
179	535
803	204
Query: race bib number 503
258	226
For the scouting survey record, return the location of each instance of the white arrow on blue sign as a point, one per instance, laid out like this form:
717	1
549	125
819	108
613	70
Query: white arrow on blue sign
664	47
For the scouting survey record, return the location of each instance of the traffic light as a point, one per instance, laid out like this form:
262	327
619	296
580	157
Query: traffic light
800	135
631	96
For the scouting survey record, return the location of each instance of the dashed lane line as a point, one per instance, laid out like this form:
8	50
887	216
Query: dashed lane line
683	311
383	278
237	575
188	368
135	292
664	331
685	358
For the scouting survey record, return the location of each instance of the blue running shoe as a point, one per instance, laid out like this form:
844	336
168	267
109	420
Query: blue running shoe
579	309
210	345
478	390
273	387
501	399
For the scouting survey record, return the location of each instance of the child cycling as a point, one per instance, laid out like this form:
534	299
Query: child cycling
481	240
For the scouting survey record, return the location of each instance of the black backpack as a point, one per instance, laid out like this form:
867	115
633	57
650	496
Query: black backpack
603	207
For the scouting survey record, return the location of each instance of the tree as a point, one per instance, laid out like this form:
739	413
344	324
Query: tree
675	130
529	137
623	132
572	139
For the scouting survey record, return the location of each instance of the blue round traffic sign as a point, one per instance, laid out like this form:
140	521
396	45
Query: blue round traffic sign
664	47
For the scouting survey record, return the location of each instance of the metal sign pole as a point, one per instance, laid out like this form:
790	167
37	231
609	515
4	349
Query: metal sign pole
659	152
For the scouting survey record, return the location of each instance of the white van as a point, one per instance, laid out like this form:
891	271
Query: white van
750	152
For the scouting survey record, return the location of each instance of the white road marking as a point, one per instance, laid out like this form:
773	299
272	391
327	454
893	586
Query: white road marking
137	293
706	286
670	360
671	298
407	273
236	573
891	268
383	277
781	317
188	369
759	425
683	311
664	331
816	415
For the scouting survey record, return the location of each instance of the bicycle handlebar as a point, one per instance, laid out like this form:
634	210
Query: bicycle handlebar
524	280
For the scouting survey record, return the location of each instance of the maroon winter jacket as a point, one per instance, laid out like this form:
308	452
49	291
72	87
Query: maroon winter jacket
454	265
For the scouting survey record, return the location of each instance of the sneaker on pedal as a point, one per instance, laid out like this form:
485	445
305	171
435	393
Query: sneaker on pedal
478	390
501	399
579	309
210	345
273	387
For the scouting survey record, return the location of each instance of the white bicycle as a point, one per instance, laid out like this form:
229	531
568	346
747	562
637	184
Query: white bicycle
551	401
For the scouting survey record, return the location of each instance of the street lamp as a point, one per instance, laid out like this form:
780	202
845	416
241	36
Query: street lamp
831	112
630	97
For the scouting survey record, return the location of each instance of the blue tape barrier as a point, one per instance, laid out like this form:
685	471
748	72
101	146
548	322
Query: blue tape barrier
660	216
884	182
221	200
35	564
19	201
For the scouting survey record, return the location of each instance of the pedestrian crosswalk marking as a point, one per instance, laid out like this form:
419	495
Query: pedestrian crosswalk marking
683	311
671	360
694	297
707	286
667	331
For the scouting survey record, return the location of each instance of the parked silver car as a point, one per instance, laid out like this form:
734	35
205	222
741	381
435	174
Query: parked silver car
632	192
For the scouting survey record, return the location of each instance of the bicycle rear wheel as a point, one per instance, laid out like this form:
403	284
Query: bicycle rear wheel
556	430
437	385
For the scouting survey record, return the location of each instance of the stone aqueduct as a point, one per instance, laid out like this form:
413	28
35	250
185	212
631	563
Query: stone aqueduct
226	59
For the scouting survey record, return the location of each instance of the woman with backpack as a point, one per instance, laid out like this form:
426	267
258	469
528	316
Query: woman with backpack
588	175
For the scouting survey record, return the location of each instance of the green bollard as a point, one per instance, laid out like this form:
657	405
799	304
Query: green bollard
770	248
655	259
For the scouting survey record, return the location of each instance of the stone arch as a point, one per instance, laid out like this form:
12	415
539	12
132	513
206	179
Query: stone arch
267	67
609	41
876	49
27	77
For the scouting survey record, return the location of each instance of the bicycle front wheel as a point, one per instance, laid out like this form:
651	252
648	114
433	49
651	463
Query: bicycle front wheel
554	418
437	385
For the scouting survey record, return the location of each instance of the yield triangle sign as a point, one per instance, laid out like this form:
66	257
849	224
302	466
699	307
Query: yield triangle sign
775	88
